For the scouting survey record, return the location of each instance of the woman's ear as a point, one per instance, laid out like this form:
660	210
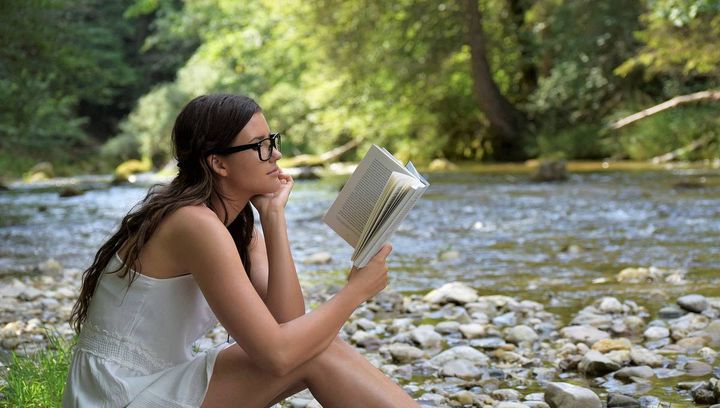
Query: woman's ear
217	165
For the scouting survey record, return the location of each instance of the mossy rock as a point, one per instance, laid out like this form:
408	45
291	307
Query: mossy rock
40	171
128	168
441	165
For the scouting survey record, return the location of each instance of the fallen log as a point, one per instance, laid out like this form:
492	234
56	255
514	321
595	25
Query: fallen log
713	95
315	160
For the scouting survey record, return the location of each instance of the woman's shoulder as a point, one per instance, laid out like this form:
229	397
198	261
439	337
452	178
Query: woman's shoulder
193	218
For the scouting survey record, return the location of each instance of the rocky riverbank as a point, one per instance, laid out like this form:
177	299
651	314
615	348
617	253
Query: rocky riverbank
452	347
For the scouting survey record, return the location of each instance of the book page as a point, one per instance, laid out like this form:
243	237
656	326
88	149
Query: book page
393	194
351	210
383	233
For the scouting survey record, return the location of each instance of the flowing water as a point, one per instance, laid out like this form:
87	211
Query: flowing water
493	230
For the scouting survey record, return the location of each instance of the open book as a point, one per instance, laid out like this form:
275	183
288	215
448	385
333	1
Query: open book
373	202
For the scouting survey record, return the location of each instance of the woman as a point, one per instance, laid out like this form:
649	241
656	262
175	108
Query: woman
188	256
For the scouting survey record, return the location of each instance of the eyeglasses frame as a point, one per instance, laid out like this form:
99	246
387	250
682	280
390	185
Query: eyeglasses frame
257	146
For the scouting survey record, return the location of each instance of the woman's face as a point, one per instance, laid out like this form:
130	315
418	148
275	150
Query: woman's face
246	174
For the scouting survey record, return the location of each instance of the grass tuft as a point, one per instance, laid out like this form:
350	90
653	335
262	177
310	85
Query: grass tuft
37	380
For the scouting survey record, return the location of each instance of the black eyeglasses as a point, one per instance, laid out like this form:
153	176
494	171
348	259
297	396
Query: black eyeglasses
264	147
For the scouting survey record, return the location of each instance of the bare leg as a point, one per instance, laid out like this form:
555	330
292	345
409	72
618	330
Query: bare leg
338	377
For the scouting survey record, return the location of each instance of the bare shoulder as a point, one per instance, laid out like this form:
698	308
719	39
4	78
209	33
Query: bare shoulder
191	223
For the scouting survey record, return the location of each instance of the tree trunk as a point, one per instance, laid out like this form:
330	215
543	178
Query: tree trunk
507	124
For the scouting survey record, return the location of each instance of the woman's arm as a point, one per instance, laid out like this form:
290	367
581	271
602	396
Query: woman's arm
285	282
202	243
284	296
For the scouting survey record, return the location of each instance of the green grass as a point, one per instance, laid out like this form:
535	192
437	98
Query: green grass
37	380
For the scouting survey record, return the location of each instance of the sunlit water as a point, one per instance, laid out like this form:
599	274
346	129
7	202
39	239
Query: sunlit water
546	242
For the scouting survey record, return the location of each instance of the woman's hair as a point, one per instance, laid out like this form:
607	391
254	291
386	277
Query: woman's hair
205	123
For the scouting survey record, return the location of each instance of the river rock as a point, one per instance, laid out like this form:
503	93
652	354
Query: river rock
30	293
693	303
319	258
610	305
698	368
40	171
703	396
367	340
622	357
712	330
550	170
464	397
521	333
506	319
460	352
488	343
585	334
656	332
634	374
472	330
506	394
404	353
622	401
643	356
565	395
453	292
510	404
595	364
460	368
426	337
447	327
607	345
671	312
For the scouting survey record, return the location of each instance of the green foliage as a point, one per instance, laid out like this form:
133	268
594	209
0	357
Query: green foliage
680	38
38	380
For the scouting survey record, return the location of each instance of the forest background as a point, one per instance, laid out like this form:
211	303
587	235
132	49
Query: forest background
89	84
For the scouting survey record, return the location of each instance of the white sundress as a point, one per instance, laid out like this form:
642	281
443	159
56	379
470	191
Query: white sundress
136	347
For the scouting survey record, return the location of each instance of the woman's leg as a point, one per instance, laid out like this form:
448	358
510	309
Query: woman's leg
338	377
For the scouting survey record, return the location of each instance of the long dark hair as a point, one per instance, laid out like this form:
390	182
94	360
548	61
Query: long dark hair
205	123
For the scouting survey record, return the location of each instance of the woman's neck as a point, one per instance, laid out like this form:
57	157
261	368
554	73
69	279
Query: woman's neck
230	210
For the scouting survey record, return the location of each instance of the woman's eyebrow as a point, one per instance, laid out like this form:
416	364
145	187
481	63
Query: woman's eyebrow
258	138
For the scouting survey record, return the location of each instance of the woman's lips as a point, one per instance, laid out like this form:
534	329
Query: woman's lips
274	172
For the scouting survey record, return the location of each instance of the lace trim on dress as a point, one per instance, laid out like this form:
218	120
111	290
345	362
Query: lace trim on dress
120	349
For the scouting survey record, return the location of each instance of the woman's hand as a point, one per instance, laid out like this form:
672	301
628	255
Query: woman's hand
274	202
372	278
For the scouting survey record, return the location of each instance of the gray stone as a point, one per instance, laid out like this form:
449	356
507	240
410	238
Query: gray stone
460	368
447	327
506	394
453	292
536	404
460	352
564	395
671	312
404	353
30	294
610	305
319	258
697	368
510	404
472	330
586	334
620	400
643	356
521	333
426	337
507	319
595	364
694	303
655	333
632	374
489	343
550	170
712	330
